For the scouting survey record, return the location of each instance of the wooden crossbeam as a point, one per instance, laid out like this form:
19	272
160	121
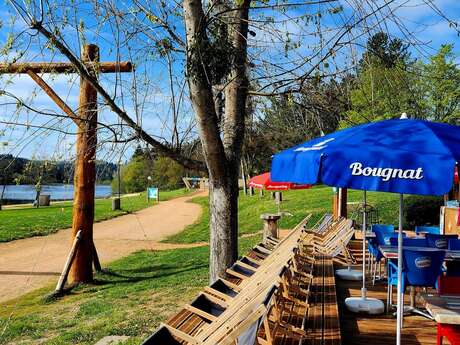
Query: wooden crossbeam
64	67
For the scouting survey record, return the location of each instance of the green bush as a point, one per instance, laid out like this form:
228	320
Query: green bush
421	210
134	175
167	174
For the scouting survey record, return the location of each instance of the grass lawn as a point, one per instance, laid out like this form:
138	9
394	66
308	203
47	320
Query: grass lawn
28	221
136	294
145	288
299	203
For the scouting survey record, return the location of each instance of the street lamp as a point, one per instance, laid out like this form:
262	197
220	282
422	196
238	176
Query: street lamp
149	179
116	201
3	146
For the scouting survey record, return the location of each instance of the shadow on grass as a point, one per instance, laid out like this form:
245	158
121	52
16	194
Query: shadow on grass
159	271
27	273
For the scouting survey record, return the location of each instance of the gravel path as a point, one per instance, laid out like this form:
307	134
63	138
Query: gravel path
33	262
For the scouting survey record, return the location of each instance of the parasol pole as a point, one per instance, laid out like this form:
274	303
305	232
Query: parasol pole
363	289
364	304
400	308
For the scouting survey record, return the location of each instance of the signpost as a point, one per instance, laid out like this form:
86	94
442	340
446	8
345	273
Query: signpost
153	193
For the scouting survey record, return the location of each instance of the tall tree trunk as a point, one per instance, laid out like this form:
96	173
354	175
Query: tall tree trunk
223	224
222	155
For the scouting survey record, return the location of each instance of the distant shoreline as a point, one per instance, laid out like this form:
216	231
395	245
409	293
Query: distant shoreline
26	193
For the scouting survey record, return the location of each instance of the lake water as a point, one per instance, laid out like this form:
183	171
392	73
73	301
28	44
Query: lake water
57	191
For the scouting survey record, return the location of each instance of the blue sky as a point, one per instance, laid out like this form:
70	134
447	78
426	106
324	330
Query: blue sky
428	30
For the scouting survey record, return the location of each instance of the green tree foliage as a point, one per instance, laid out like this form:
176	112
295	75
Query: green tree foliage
134	175
288	120
164	172
386	84
17	170
384	51
441	82
167	174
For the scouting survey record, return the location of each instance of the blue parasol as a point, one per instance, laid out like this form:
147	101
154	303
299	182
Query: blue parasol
398	156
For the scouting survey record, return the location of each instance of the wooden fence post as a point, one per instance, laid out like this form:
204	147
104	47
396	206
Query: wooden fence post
68	263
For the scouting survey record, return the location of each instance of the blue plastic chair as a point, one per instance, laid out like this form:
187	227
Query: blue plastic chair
427	229
384	227
453	267
421	268
383	234
409	242
454	244
439	241
379	228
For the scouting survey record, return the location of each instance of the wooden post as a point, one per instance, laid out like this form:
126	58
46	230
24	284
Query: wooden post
278	197
243	175
86	121
335	203
270	225
97	263
342	203
65	271
339	203
85	174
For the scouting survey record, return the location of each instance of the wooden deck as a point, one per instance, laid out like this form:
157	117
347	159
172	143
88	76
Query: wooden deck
380	330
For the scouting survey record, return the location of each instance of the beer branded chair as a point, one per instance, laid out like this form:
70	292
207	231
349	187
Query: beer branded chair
422	268
439	241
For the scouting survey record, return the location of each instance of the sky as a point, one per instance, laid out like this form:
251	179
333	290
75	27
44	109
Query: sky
419	23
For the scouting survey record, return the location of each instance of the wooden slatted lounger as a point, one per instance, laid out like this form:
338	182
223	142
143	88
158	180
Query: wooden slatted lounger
197	324
284	326
322	224
218	304
337	246
330	233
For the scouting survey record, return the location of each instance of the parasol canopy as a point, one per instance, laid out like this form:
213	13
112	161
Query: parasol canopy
399	156
264	181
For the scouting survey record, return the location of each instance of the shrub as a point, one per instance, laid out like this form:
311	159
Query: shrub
421	210
167	174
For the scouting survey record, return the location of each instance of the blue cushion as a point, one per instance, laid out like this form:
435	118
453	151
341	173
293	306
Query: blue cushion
454	244
384	227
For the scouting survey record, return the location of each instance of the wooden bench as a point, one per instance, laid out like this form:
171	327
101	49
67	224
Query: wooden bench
322	324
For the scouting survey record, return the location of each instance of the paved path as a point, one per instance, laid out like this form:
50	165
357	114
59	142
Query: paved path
33	262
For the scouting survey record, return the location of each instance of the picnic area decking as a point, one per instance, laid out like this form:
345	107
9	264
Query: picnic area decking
361	329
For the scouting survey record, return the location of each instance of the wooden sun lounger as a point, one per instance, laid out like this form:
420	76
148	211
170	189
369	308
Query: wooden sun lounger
284	325
334	234
243	300
337	245
224	306
322	224
330	232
